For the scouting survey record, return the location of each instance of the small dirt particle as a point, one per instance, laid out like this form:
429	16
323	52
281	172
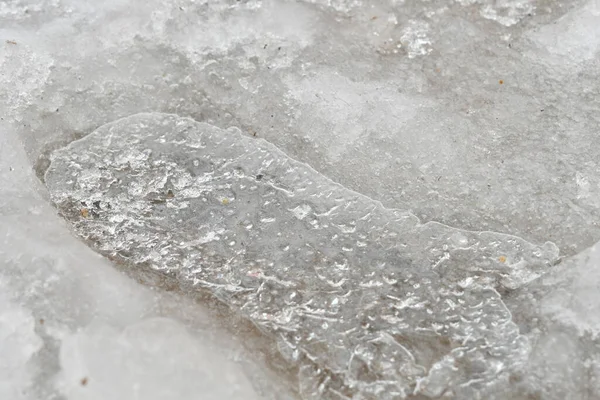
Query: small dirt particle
84	381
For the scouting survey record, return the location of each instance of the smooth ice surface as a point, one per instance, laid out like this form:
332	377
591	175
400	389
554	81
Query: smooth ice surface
369	301
72	327
482	115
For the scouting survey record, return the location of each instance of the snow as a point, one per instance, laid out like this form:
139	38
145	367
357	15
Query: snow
468	126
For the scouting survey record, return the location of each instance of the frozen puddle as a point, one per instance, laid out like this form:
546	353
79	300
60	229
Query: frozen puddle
367	301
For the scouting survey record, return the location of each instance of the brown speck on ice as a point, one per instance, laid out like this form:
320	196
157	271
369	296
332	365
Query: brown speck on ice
85	212
501	82
84	381
11	42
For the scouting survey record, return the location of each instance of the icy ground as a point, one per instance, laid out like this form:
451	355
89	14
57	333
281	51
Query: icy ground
299	199
73	327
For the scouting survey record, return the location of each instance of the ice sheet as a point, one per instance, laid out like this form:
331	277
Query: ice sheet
73	327
479	114
375	303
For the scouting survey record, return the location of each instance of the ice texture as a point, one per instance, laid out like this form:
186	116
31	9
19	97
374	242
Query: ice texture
369	301
482	115
72	327
479	114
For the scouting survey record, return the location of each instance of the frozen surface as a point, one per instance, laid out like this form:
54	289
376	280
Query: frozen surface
478	114
73	327
481	115
386	306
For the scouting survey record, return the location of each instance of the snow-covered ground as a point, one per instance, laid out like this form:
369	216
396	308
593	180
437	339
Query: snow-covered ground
411	171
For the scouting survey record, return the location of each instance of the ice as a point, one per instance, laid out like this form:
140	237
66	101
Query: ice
465	117
574	39
387	306
73	327
342	86
158	359
18	343
557	314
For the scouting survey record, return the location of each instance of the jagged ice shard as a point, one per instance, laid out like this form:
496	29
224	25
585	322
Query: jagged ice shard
369	301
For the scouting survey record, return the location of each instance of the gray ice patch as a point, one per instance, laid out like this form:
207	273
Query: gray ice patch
367	301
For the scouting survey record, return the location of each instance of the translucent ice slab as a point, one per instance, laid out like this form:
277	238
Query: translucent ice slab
367	301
